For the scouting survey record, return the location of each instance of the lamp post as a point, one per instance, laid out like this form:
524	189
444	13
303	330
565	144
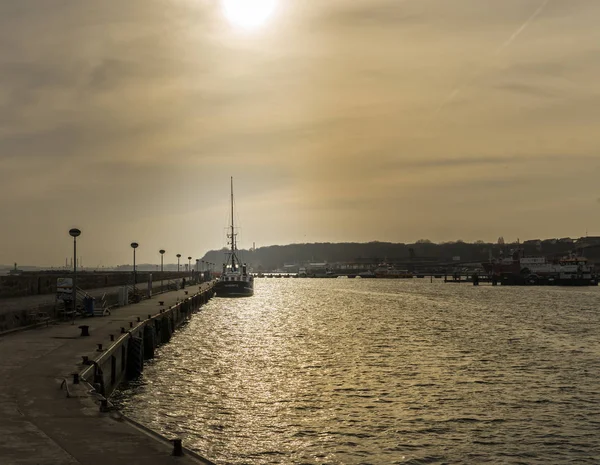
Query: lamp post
74	233
190	266
162	253
178	257
134	245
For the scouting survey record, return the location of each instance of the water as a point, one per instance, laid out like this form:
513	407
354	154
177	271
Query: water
350	371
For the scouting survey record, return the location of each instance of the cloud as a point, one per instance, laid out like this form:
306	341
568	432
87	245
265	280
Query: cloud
526	90
136	113
376	13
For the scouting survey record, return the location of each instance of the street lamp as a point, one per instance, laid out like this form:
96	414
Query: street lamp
134	245
162	253
74	233
178	257
190	265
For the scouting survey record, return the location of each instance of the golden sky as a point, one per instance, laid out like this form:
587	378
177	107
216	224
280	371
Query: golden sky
340	120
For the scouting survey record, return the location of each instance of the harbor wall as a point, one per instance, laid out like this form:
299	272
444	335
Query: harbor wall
45	283
124	358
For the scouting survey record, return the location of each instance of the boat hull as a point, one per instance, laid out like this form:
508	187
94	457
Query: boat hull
234	289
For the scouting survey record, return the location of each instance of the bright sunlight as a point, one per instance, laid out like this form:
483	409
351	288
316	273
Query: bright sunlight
248	14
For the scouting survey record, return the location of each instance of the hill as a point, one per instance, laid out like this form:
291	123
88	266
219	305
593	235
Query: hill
422	252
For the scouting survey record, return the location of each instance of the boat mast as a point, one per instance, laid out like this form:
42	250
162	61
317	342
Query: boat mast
232	231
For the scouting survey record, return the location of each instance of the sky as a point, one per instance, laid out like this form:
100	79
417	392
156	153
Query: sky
340	120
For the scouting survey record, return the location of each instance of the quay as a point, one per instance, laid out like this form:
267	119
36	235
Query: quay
56	383
18	302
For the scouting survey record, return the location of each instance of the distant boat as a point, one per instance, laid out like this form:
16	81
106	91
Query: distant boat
366	274
235	281
388	271
571	270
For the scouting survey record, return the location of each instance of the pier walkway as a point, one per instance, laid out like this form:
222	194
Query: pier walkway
34	302
40	425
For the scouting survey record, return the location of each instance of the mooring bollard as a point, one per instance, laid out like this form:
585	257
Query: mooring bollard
161	302
85	330
99	349
75	378
177	448
131	324
122	330
85	359
139	319
112	337
149	317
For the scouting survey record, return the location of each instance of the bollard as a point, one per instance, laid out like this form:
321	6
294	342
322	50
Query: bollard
104	405
85	359
75	378
186	292
122	330
131	324
85	330
112	337
161	302
177	448
149	317
139	319
99	349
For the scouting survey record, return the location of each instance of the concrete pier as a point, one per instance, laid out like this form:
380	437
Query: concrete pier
47	418
14	311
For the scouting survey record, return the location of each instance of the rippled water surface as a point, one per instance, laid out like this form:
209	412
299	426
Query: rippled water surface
350	371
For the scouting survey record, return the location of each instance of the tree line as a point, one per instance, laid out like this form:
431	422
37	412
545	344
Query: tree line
421	252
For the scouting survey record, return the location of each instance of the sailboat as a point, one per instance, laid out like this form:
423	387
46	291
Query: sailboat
235	281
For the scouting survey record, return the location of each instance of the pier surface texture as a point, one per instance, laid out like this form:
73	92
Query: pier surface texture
47	419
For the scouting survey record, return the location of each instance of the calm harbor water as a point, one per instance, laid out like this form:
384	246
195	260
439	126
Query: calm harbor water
350	371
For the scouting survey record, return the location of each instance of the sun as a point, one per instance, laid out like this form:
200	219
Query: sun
248	14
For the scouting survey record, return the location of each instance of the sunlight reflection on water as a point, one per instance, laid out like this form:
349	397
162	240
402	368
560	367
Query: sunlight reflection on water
380	372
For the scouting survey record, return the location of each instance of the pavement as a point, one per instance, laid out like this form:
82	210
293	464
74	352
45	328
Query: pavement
39	425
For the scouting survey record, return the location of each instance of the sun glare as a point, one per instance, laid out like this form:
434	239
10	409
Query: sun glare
248	14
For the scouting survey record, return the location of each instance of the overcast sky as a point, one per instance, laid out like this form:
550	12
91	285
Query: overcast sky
340	120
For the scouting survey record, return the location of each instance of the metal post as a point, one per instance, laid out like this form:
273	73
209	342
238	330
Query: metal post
134	245
162	253
74	233
74	278
178	257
